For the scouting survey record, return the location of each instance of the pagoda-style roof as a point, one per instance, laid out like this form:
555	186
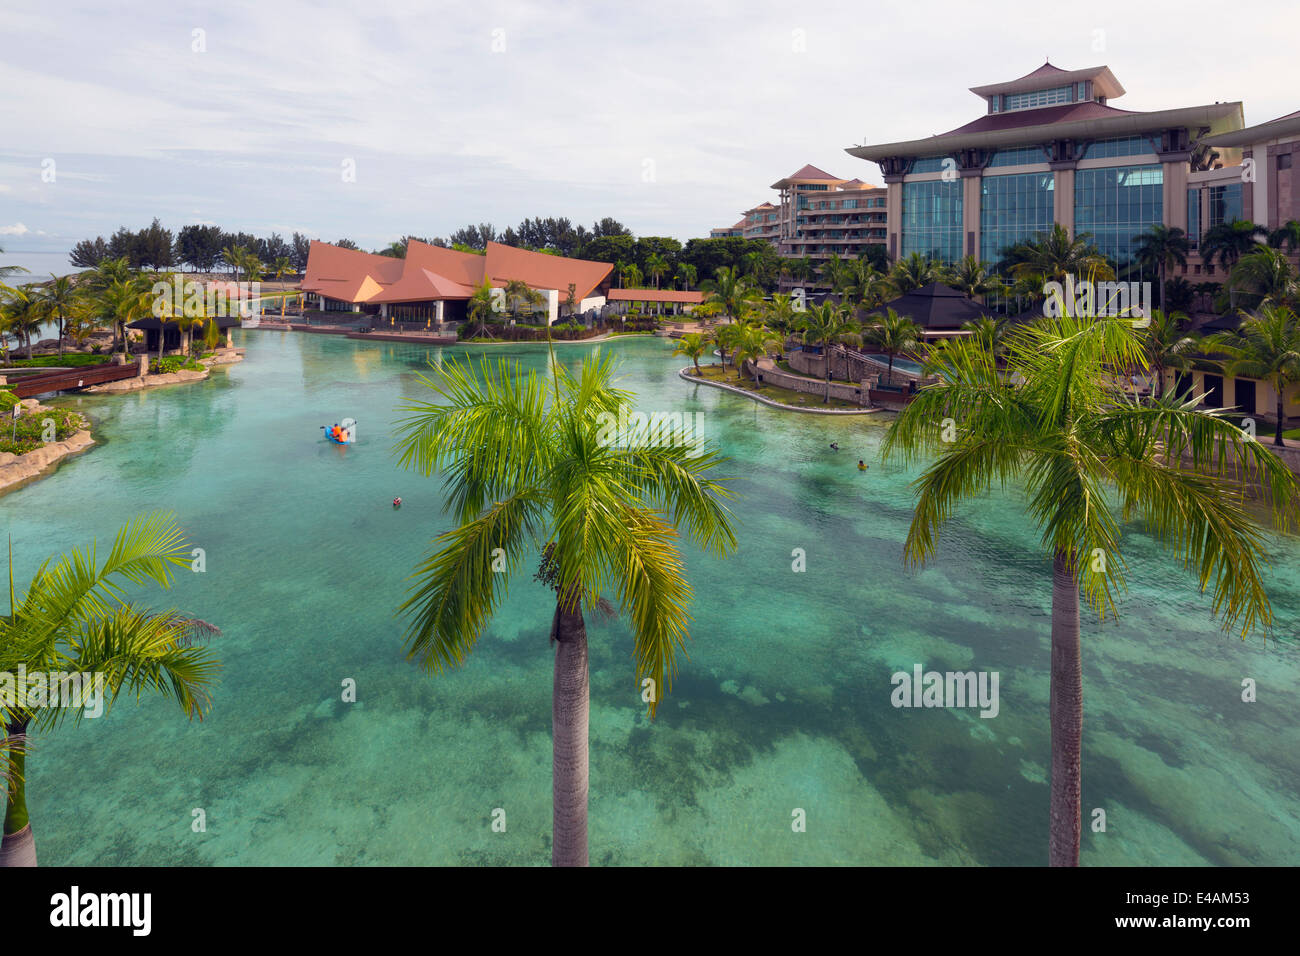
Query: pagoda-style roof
1078	121
808	174
1048	76
935	306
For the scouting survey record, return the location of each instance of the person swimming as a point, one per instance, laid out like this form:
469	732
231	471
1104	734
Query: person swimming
862	465
397	502
835	446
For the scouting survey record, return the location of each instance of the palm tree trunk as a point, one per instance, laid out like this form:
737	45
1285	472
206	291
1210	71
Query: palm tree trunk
1277	432
60	335
18	846
570	713
1066	707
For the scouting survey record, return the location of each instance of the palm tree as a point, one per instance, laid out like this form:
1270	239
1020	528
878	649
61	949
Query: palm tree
479	308
656	266
913	272
22	312
1052	256
802	269
124	302
832	271
693	345
1285	236
825	325
1159	248
235	256
753	342
631	275
728	336
1166	346
686	275
862	285
971	276
1266	274
59	297
283	266
74	619
606	518
1265	347
991	332
729	289
1063	436
894	334
781	315
1229	241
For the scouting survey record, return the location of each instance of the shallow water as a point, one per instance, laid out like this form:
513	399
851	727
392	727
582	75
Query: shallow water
783	704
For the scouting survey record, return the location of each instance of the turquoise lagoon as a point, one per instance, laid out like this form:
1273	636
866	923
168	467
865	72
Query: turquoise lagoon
783	704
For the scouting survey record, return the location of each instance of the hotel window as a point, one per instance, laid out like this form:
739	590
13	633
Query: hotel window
1013	209
1116	204
995	103
1020	156
1118	146
1083	91
1194	217
1023	101
931	219
1284	161
929	164
1224	205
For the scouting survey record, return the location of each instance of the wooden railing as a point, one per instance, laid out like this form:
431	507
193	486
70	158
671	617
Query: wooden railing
62	380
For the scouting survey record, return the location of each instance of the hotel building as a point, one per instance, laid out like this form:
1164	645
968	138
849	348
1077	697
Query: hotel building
1051	149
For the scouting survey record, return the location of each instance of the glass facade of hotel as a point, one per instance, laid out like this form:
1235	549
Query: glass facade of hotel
1020	156
1116	204
1013	209
1119	146
1194	216
1224	205
932	214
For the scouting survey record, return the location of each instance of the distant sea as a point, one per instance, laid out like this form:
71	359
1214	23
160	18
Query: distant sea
39	264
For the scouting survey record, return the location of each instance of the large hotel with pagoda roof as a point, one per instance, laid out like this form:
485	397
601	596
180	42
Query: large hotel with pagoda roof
1051	149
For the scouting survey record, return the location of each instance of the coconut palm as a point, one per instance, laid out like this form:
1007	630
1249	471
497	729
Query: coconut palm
694	345
862	285
1266	346
235	257
1229	241
1167	346
731	291
656	267
21	314
971	276
1266	274
991	332
781	314
913	272
1052	256
1159	248
685	275
826	325
518	293
1070	442
125	301
753	342
523	474
832	272
802	269
1286	236
59	298
728	336
283	266
479	308
894	335
74	619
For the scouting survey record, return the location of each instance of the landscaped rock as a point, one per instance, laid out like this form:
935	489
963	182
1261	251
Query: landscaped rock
19	469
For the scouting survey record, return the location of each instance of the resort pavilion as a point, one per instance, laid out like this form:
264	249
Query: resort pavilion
171	331
938	309
677	300
433	284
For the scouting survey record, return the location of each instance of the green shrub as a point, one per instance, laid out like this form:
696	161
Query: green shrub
173	363
28	433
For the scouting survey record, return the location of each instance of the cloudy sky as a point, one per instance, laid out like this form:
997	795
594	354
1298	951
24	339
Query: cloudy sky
670	116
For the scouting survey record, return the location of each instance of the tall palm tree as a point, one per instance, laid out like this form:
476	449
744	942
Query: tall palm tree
826	325
235	256
971	276
1286	236
479	309
60	296
686	275
1052	256
1167	346
781	314
1064	437
125	301
754	342
1159	248
728	337
656	267
22	312
532	474
913	272
991	332
1266	347
517	294
832	271
1229	241
732	291
862	285
1265	274
802	269
283	265
694	345
75	619
894	335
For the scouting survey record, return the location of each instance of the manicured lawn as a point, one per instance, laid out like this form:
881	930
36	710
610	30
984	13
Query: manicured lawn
69	360
786	396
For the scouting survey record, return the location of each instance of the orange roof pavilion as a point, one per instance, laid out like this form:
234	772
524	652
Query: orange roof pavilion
432	273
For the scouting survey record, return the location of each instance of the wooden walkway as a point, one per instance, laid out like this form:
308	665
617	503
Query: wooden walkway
65	380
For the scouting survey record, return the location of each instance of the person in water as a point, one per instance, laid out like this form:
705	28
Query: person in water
862	465
835	446
397	502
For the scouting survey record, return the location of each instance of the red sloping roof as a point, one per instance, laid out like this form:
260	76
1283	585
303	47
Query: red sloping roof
1065	113
811	172
419	285
691	297
348	274
542	271
465	268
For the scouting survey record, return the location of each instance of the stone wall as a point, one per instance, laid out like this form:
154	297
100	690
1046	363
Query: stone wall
846	391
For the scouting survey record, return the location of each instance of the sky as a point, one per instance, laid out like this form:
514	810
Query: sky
372	120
